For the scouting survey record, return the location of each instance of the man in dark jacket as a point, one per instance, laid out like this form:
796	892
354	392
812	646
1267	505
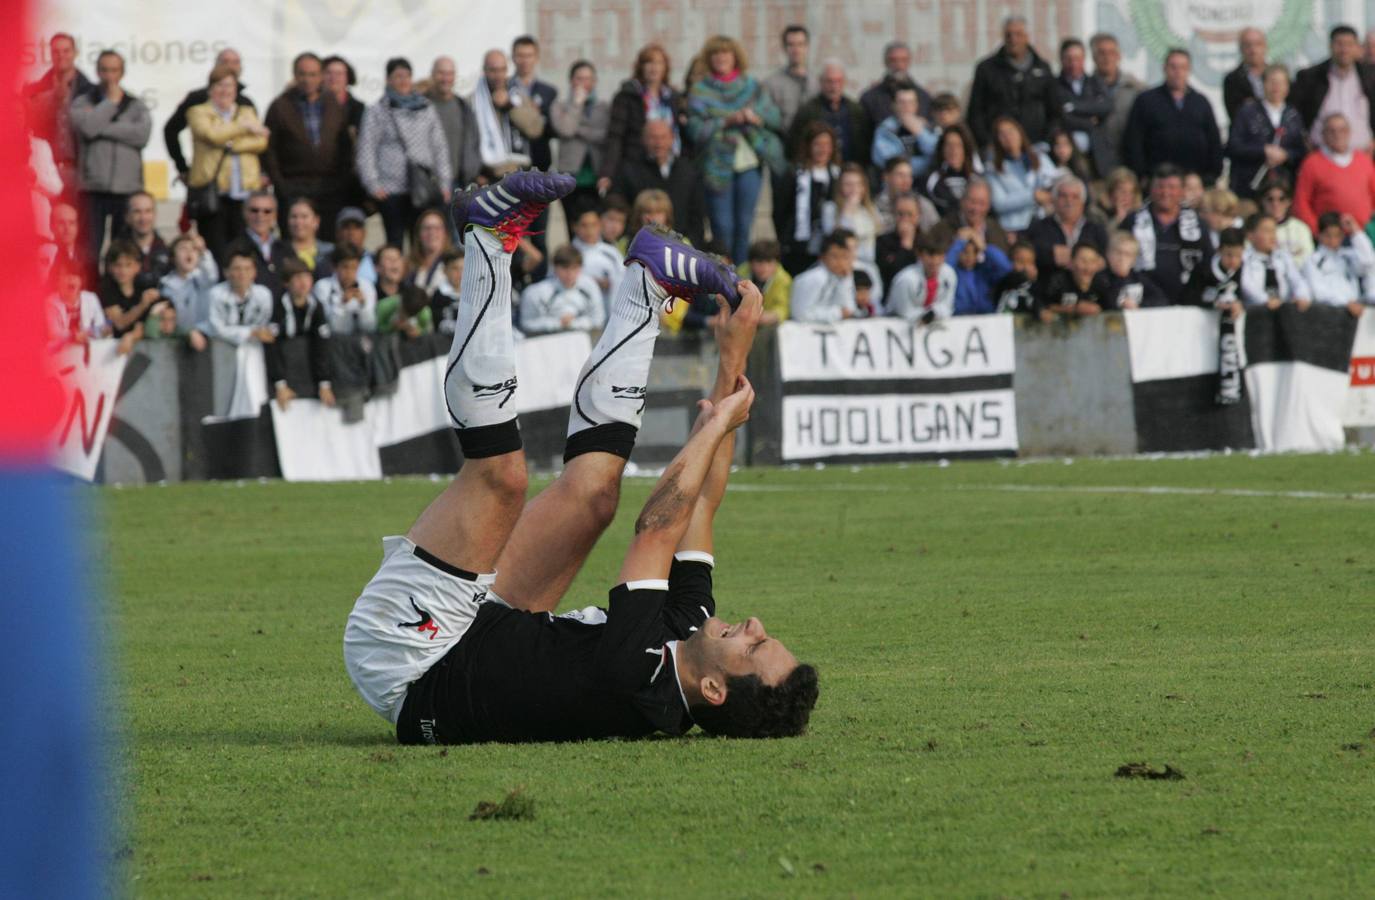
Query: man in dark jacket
1244	82
48	101
176	123
260	239
1084	101
525	58
1173	123
660	169
1313	95
878	100
1055	236
1015	81
849	120
309	153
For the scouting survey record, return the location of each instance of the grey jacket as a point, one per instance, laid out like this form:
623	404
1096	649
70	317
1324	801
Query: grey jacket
1106	137
788	93
460	133
580	131
391	137
111	138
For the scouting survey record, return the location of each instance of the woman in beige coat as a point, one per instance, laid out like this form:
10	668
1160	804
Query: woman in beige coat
227	140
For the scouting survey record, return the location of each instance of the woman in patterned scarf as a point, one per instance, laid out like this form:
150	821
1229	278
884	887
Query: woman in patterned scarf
732	121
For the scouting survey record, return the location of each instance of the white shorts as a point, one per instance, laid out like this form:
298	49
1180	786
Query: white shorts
412	612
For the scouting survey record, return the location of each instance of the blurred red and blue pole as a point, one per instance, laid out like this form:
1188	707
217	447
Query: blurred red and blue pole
52	743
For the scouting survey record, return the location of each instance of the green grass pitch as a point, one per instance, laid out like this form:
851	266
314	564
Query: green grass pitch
994	641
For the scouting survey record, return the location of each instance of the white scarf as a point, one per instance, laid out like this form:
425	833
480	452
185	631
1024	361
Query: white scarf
1143	229
802	214
495	140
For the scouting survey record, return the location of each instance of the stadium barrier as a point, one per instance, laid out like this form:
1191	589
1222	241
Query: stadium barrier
871	390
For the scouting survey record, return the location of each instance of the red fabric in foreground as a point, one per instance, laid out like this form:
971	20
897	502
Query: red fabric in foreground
30	398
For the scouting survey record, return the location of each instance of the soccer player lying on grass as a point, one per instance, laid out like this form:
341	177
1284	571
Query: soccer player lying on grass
450	655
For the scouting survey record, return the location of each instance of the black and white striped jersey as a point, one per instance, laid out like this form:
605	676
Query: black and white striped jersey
518	677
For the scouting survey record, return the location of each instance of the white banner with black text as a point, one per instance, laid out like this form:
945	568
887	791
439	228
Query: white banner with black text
887	389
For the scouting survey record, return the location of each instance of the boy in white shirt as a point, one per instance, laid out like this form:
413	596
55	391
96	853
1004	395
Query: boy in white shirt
925	291
568	301
74	316
240	310
826	292
187	286
1339	273
350	302
1268	274
601	261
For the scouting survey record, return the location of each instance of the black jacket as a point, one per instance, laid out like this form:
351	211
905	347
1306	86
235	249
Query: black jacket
878	99
176	124
1251	131
268	269
850	121
1311	85
627	123
683	186
309	323
1001	89
1045	235
1086	110
1159	132
1236	90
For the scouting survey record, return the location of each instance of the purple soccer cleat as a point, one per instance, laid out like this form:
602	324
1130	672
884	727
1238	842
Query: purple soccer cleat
679	269
508	207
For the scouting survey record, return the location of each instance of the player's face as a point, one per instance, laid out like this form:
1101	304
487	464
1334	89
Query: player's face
744	648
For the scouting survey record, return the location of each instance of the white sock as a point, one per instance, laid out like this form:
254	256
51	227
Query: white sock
480	376
613	382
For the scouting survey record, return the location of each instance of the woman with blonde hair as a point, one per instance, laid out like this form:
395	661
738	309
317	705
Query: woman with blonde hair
852	208
652	207
1121	195
733	123
226	141
645	96
425	261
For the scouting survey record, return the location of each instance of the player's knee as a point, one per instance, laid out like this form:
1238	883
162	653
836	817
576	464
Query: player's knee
506	477
602	501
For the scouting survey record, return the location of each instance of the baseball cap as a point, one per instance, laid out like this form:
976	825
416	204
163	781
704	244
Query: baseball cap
350	214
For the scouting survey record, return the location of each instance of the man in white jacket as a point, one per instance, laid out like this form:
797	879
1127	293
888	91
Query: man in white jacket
825	293
568	300
924	291
240	310
1339	272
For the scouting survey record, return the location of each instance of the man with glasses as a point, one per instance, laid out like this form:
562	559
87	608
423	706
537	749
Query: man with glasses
259	237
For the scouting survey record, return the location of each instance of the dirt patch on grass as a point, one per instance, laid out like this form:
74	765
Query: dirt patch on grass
514	807
1144	770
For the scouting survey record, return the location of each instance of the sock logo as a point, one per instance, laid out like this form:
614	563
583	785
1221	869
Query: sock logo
631	393
424	623
492	391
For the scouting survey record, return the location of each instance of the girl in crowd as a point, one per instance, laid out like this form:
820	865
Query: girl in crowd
303	229
954	167
735	125
853	209
1014	173
428	243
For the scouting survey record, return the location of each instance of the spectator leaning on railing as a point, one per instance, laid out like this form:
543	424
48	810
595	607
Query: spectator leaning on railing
240	308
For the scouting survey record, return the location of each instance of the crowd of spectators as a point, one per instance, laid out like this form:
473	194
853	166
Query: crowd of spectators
1061	188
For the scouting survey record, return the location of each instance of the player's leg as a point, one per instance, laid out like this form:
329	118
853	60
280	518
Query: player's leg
559	528
468	524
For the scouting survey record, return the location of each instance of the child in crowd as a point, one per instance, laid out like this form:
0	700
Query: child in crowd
1083	290
126	298
1126	288
615	211
188	285
1268	273
1218	284
444	302
297	314
1340	271
1193	190
978	267
74	315
1292	232
925	292
350	303
568	301
1219	212
765	269
826	292
601	261
864	295
853	210
1015	292
240	309
401	307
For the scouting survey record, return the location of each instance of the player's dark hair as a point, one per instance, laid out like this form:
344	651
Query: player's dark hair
1329	220
1231	237
756	710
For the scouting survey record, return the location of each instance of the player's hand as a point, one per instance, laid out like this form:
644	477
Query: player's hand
733	410
735	330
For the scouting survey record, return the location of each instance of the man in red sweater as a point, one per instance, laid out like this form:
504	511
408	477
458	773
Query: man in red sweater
1335	179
